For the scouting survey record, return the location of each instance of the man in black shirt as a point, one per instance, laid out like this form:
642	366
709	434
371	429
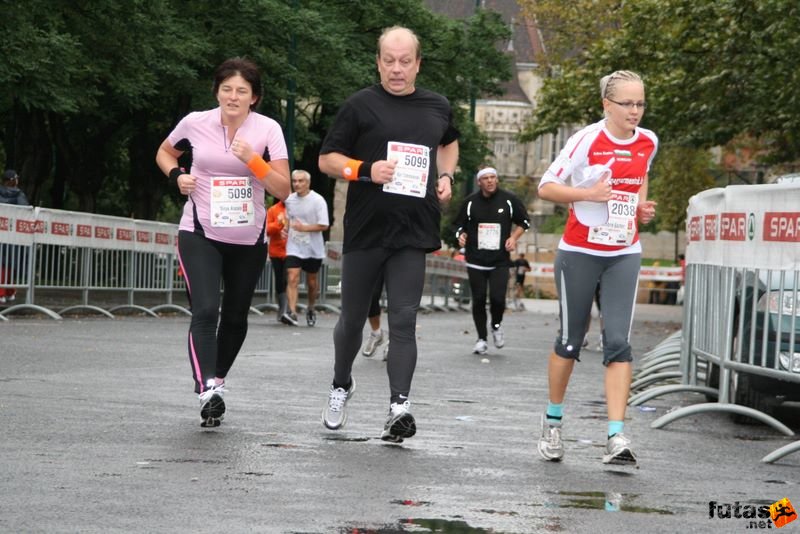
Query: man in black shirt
485	229
397	146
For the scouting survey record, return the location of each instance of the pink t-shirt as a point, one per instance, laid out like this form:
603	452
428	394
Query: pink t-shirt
594	145
212	156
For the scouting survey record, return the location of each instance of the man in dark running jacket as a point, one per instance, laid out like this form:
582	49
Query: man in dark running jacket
485	223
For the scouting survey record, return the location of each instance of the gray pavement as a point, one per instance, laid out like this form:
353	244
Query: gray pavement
102	435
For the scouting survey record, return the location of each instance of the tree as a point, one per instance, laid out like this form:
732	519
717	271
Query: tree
677	174
86	105
714	70
717	73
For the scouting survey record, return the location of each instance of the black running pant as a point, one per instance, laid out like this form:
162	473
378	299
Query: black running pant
403	271
215	336
279	274
497	281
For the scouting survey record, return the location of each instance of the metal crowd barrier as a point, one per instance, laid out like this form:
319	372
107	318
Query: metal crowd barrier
62	262
740	338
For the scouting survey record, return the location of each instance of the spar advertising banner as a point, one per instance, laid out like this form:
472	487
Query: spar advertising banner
752	226
17	224
24	226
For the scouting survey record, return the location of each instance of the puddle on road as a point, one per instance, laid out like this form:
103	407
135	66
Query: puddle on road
409	502
414	524
497	512
421	525
620	473
745	437
610	502
344	438
178	461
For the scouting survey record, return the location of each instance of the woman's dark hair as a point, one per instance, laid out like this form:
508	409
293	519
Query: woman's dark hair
244	68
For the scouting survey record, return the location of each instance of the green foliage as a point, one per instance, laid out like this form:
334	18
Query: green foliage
555	223
677	174
713	70
92	88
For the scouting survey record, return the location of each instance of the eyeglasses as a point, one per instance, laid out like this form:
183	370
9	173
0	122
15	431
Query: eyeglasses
630	105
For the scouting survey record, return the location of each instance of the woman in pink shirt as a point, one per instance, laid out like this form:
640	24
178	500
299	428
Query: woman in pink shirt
236	156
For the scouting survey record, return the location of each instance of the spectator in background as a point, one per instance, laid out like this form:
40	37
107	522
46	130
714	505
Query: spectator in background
305	247
276	225
682	287
10	193
521	266
10	255
656	287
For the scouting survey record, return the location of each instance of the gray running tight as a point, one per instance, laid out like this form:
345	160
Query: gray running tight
403	271
577	276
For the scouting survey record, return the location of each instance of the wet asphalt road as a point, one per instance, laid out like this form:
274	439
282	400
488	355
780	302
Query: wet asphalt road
102	434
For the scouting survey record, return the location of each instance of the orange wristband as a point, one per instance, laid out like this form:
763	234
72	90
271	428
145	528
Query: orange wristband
259	167
350	169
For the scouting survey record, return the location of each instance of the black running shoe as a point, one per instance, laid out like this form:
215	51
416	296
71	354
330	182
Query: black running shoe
289	318
212	406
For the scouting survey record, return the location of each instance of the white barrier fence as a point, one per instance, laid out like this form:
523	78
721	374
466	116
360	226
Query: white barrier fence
72	253
740	339
123	260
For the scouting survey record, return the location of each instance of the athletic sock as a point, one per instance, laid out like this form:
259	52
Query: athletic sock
345	387
615	427
554	413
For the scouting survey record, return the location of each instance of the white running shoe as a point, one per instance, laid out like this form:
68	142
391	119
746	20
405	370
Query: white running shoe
400	423
373	342
551	447
480	347
618	451
334	415
498	337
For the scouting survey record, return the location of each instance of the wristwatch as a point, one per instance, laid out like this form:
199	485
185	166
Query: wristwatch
452	180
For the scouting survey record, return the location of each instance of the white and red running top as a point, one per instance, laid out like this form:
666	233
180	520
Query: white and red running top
594	145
